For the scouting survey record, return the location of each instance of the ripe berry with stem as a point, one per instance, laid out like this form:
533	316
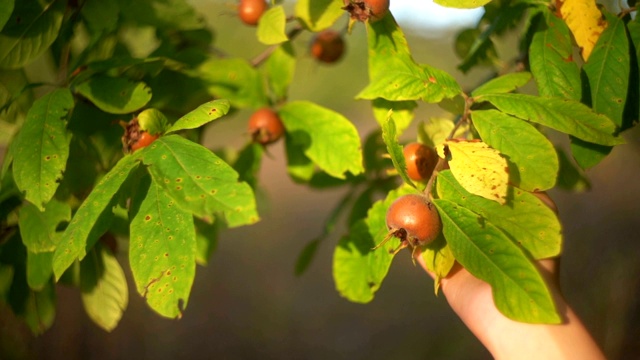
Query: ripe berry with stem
265	126
414	220
421	160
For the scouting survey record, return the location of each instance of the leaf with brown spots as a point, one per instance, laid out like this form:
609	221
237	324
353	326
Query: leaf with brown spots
162	250
205	113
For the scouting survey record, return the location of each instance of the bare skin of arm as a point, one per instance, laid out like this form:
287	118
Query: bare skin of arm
472	301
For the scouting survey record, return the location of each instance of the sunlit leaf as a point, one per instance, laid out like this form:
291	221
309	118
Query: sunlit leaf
394	75
80	234
319	131
564	115
271	26
162	251
439	259
480	169
551	59
204	114
435	131
234	79
519	291
32	27
503	84
534	159
394	149
199	181
318	15
105	294
280	68
403	112
585	21
41	148
526	220
462	4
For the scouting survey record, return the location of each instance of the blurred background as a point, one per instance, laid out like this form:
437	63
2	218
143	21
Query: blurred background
247	303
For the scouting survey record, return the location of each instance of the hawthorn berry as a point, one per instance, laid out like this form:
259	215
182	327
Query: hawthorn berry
366	10
421	160
327	46
414	220
250	11
265	126
135	137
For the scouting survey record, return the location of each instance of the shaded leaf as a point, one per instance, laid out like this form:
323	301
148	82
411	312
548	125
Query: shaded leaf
41	148
199	181
38	229
570	177
532	154
105	294
526	220
477	167
32	27
6	8
234	79
80	234
319	132
162	252
306	256
439	259
271	26
280	68
564	115
519	292
204	114
206	239
39	269
115	95
176	14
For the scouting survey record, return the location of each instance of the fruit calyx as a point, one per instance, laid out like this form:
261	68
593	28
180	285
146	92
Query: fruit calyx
265	126
366	10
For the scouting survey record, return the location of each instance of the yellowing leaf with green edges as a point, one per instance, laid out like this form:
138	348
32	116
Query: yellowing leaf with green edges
585	21
480	169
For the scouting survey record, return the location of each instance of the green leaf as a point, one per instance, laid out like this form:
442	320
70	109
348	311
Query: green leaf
6	8
439	259
234	79
320	132
299	166
162	251
402	112
176	14
38	229
40	309
526	220
564	115
306	256
32	27
394	149
519	291
280	68
462	4
81	234
318	15
570	177
6	278
551	59
248	162
41	148
435	131
39	269
105	294
608	71
271	26
530	153
475	48
503	84
115	95
394	75
358	270
100	16
205	113
206	239
199	181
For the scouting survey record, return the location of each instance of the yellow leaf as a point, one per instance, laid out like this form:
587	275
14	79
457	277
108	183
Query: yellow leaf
585	21
481	170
